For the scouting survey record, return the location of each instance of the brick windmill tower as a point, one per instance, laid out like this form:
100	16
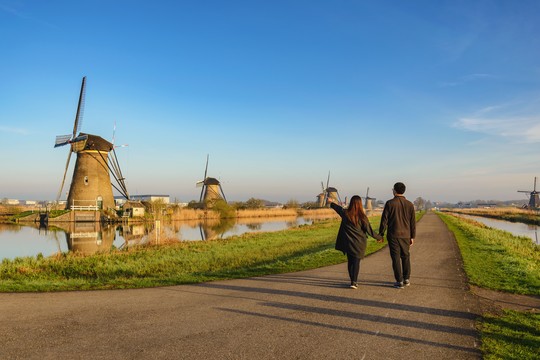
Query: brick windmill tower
211	189
91	187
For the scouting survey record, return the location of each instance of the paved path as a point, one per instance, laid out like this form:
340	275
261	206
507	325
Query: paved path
305	315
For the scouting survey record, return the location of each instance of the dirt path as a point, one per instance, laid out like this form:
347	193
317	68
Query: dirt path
305	315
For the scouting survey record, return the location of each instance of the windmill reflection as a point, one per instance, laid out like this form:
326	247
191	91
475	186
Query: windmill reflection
88	238
215	229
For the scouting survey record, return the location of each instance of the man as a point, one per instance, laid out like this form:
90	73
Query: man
399	217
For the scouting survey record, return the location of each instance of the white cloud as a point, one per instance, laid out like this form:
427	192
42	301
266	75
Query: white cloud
516	121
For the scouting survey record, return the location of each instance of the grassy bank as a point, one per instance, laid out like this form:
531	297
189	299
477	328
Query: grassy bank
507	214
497	260
252	254
512	335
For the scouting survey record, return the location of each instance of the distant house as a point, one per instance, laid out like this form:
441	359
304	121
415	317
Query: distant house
12	202
133	209
151	198
31	202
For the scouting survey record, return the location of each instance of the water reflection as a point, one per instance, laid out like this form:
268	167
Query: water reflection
516	228
89	238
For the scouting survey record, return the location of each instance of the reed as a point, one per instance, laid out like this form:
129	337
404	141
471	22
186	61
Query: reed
509	214
198	214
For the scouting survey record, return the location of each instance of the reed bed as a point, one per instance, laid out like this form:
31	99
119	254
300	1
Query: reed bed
509	214
198	214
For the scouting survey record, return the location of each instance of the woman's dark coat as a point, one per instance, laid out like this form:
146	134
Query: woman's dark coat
352	239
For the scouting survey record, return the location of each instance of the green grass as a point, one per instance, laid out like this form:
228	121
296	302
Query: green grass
254	254
495	259
514	335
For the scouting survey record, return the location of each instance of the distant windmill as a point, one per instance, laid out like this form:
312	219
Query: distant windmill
330	192
368	206
534	200
211	188
91	182
321	198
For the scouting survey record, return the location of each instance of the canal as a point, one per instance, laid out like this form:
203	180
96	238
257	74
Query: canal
516	228
88	237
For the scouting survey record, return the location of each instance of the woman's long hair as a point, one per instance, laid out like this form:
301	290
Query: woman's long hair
355	212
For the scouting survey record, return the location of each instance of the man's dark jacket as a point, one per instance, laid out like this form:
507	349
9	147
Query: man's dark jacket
399	217
352	239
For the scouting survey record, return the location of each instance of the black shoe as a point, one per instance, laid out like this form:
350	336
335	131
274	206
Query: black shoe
398	285
407	282
354	286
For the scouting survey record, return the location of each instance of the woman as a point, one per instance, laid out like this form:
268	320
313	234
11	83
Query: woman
352	235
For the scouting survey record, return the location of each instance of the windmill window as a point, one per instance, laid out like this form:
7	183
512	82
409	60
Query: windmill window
86	180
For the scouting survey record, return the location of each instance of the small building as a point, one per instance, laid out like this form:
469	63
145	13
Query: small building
151	198
133	209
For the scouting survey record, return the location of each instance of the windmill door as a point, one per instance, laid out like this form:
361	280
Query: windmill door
100	203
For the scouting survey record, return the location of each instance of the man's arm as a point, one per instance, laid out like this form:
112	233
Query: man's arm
384	220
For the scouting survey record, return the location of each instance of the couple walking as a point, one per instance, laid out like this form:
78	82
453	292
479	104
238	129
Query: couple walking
398	217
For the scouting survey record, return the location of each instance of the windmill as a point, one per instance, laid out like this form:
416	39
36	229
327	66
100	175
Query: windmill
534	200
331	192
211	188
321	198
368	206
96	161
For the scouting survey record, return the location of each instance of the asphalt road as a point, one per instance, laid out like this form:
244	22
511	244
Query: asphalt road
304	315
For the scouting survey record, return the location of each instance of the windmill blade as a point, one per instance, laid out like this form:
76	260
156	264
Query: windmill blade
80	109
328	180
367	192
202	192
62	140
64	178
535	184
222	193
206	168
113	131
199	183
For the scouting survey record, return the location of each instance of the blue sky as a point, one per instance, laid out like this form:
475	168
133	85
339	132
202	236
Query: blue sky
442	95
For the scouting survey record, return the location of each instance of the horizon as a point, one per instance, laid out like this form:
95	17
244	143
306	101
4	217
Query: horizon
441	96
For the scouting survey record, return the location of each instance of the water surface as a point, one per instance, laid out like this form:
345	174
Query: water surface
88	238
516	228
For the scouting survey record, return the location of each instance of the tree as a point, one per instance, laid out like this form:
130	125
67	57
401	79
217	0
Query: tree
253	203
419	203
292	204
225	210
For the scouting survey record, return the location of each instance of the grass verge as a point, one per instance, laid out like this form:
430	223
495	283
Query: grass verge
497	260
254	254
514	335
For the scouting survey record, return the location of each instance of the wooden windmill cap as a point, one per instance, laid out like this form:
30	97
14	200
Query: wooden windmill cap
95	142
211	181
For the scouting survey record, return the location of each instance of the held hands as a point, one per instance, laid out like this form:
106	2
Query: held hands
381	240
